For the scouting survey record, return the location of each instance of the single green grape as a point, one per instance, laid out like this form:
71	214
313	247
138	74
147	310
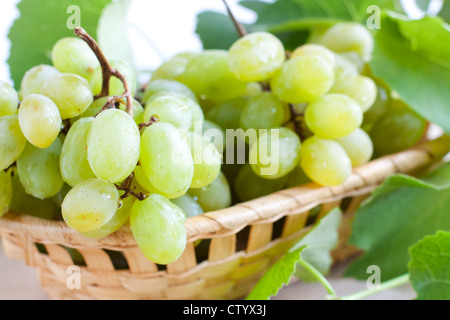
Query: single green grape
35	78
344	69
138	111
249	186
158	227
171	69
90	205
9	99
38	170
113	145
379	108
73	55
358	145
166	158
333	116
276	153
167	85
12	140
256	56
209	76
360	88
70	92
74	162
169	109
143	180
227	115
325	161
39	120
263	111
349	36
313	49
303	79
116	87
6	191
189	205
215	196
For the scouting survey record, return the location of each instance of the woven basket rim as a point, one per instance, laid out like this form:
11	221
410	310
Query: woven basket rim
229	220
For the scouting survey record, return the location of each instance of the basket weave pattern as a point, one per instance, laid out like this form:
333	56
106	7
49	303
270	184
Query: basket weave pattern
241	242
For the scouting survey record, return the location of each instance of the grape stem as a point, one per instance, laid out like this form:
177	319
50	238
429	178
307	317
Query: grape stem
239	27
107	73
126	186
152	120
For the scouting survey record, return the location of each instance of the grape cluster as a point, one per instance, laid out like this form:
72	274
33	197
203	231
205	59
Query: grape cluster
100	161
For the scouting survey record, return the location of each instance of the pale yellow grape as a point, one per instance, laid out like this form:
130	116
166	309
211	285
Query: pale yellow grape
276	153
12	140
73	55
70	92
215	196
325	161
171	69
39	120
74	162
314	49
167	85
256	56
90	205
349	36
35	78
9	99
158	227
209	76
116	87
189	205
207	161
303	79
38	170
333	116
113	145
263	111
343	69
143	180
166	158
360	88
358	146
6	191
169	109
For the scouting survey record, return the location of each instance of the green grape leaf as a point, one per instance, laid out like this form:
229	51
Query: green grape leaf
399	213
41	24
319	242
428	267
112	29
412	57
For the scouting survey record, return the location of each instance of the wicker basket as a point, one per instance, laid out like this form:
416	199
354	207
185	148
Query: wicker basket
238	243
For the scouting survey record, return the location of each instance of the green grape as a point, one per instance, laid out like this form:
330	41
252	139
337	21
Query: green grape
358	145
6	191
216	196
256	56
138	111
397	130
74	162
325	161
207	161
253	89
333	116
355	59
116	87
167	85
249	186
113	145
25	203
314	49
39	120
35	78
121	216
158	227
9	99
227	115
169	109
276	153
303	79
349	36
143	180
189	205
70	92
378	109
166	158
343	69
171	69
362	89
38	170
297	178
12	140
214	133
90	205
73	55
263	111
186	55
209	76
